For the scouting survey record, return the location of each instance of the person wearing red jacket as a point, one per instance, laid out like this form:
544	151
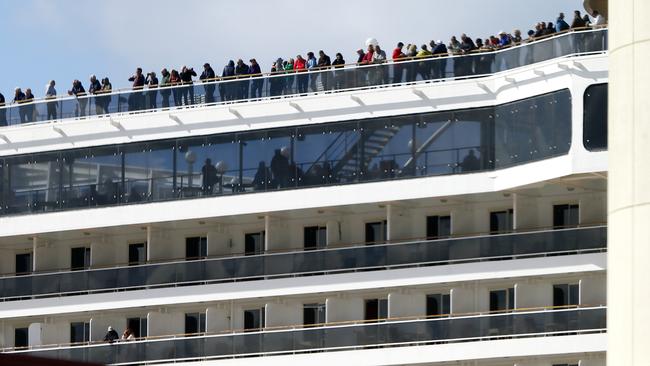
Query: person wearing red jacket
398	70
300	65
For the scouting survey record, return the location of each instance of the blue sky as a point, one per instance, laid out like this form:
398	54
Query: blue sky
72	39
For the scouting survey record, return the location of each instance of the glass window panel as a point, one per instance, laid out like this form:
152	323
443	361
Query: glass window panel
595	117
324	153
149	171
385	148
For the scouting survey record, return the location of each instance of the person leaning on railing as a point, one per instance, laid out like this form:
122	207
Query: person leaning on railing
208	76
105	99
165	92
19	98
95	88
324	63
257	83
50	93
79	92
3	111
188	90
152	90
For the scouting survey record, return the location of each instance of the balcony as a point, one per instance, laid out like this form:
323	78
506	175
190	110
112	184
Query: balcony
308	263
336	337
281	85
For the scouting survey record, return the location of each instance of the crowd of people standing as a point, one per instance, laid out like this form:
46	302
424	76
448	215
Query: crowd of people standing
303	82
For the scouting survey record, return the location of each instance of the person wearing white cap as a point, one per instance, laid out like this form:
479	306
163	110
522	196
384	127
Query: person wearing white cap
111	335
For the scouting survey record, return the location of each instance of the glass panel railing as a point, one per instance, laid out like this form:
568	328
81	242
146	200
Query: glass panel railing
252	87
447	251
345	152
431	331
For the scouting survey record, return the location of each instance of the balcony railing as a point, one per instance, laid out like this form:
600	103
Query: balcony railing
277	85
341	337
325	261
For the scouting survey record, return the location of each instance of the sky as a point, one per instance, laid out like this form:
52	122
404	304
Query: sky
72	39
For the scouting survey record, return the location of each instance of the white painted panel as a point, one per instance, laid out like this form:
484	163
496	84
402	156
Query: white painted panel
340	309
280	314
461	300
406	304
533	294
593	290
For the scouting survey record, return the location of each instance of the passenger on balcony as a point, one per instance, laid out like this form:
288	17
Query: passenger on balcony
440	66
550	29
111	335
599	19
302	79
312	65
258	82
105	99
560	24
135	98
275	88
209	176
3	111
380	72
398	70
516	37
175	81
187	91
128	335
324	63
30	112
19	98
424	67
577	22
93	89
208	76
242	71
50	93
339	76
289	80
152	92
165	92
227	87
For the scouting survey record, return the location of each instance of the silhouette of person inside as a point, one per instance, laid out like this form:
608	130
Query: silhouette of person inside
259	181
470	162
280	168
209	173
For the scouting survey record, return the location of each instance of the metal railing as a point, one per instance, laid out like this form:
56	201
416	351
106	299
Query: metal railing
310	262
331	337
294	82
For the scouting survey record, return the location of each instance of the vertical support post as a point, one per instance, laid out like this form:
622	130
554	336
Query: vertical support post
267	226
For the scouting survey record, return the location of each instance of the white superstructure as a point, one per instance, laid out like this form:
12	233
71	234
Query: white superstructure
458	219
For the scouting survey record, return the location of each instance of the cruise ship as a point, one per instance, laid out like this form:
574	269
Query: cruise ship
439	211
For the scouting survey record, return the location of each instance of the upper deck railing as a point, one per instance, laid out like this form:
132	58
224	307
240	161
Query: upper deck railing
304	82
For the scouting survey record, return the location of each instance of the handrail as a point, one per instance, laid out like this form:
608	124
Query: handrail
216	80
333	247
338	324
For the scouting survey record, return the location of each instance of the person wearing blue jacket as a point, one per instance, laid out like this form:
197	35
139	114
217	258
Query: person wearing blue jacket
560	24
226	88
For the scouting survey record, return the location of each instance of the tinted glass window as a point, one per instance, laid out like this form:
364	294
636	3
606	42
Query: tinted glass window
426	144
595	117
